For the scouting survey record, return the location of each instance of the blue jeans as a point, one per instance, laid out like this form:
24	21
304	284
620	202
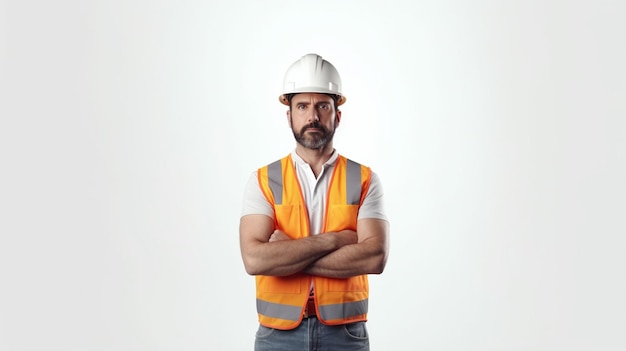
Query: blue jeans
312	335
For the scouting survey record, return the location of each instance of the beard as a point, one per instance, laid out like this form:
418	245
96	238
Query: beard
316	140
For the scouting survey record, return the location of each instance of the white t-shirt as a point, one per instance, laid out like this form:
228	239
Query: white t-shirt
314	191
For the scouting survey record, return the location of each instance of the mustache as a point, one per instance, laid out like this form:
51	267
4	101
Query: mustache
315	124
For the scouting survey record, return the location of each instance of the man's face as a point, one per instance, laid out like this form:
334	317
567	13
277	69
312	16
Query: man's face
313	119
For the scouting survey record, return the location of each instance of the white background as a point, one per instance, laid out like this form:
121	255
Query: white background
129	128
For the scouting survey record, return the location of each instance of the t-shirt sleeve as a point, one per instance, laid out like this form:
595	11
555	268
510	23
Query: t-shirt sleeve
373	205
254	202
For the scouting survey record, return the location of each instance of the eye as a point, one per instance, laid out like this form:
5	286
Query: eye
301	106
324	107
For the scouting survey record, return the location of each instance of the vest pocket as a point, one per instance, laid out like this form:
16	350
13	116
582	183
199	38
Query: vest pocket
341	217
358	283
283	285
288	218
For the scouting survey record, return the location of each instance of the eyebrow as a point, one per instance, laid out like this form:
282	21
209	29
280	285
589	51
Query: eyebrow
308	103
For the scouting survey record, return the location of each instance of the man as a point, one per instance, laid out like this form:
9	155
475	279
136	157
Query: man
313	226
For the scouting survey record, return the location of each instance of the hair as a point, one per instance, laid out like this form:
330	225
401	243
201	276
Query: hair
333	96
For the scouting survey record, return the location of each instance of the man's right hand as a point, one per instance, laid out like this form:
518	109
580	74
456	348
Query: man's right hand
279	235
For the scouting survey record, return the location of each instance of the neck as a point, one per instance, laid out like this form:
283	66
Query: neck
315	157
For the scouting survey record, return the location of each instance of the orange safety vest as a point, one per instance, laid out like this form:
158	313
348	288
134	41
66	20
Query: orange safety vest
281	300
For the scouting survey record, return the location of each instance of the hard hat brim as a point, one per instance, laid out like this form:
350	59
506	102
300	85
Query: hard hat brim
283	98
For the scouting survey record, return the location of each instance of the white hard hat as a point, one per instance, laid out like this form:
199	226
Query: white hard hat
312	74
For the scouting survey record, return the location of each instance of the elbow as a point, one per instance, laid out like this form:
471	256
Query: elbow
250	266
378	269
378	264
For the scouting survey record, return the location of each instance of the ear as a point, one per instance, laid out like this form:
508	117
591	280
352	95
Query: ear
288	113
337	118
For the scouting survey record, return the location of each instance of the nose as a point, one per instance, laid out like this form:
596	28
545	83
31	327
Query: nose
313	116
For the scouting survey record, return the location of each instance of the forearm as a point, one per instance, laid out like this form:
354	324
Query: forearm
267	251
286	257
368	256
350	260
279	255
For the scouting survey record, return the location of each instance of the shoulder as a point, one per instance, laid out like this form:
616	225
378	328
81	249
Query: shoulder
349	160
357	167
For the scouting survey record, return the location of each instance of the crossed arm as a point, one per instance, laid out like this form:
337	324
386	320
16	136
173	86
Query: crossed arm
267	251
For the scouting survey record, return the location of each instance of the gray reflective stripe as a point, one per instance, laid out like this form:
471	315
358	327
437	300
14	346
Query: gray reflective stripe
275	175
275	310
343	310
353	183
